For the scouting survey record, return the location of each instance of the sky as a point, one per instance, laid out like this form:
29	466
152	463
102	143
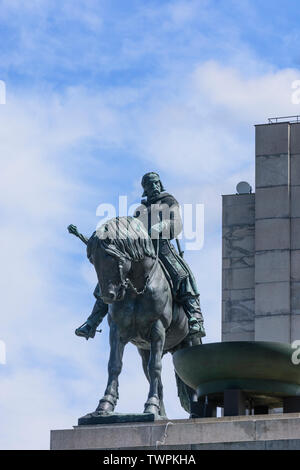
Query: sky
97	94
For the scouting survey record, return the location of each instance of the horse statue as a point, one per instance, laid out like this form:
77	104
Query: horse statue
142	311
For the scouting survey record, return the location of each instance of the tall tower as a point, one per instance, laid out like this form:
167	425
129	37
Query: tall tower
261	244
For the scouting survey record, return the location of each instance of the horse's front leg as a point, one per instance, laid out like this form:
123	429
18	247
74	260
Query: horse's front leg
111	395
154	369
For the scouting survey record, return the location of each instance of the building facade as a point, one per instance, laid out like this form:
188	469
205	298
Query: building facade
261	244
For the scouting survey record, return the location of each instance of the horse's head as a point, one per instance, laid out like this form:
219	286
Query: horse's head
112	273
117	245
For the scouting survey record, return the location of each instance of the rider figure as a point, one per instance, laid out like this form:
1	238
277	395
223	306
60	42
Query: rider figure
159	212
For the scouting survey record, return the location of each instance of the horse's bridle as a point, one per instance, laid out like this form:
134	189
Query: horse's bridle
127	283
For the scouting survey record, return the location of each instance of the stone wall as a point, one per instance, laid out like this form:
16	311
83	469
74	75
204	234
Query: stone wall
261	244
238	268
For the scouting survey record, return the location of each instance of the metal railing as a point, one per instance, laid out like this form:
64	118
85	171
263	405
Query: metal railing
284	119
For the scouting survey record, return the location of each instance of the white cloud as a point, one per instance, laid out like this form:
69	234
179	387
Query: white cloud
206	131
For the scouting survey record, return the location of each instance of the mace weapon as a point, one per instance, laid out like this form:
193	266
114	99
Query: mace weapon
180	251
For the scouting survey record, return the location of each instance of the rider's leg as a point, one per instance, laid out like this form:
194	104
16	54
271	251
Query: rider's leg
189	298
191	306
88	329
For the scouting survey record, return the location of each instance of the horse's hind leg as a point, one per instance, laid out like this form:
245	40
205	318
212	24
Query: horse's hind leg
111	395
155	397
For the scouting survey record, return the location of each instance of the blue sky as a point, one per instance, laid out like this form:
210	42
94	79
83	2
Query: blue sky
98	93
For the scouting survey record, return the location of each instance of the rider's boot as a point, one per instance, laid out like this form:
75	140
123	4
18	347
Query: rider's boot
88	329
191	306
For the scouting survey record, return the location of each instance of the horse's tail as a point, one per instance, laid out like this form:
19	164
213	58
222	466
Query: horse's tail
184	393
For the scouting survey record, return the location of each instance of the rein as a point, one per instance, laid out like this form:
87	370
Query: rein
127	283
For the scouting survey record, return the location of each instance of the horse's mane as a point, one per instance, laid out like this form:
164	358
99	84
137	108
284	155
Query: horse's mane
125	237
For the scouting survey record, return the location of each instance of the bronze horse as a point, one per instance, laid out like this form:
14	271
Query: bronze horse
142	311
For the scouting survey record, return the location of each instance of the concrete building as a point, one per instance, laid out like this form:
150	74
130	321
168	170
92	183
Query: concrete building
261	244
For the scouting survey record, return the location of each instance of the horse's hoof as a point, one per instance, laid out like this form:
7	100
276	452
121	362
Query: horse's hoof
152	410
104	408
152	406
106	404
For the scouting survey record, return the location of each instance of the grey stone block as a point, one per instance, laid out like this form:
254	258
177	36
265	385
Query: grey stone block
213	430
238	242
238	336
238	294
295	327
238	311
295	201
272	202
238	200
254	445
295	138
295	234
239	278
233	327
272	234
295	265
272	266
219	446
101	437
285	444
277	429
295	169
271	139
271	170
273	328
272	298
238	214
242	262
295	300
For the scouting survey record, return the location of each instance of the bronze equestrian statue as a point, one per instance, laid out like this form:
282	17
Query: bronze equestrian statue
184	285
148	292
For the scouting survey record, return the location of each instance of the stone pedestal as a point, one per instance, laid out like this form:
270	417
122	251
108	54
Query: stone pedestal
278	431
